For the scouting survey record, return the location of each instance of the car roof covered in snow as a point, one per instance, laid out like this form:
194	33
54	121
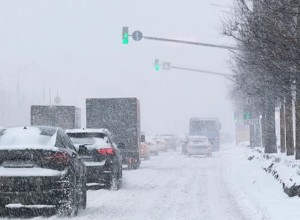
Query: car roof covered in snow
28	137
204	118
87	130
196	137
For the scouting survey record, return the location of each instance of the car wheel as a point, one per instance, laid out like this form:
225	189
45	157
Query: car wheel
121	173
70	208
2	210
136	165
82	199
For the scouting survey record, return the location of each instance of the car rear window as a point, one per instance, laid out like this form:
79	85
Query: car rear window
198	139
30	136
90	140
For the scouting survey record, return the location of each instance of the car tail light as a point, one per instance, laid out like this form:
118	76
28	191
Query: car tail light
106	151
58	159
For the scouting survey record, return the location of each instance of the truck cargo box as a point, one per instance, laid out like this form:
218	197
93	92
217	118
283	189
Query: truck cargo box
121	116
66	117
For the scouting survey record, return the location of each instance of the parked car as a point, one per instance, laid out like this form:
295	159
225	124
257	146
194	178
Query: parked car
144	151
153	148
40	165
199	145
100	155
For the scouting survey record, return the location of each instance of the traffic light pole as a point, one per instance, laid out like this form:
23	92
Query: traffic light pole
190	42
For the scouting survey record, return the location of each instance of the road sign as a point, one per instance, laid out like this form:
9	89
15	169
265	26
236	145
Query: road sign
251	122
137	35
166	66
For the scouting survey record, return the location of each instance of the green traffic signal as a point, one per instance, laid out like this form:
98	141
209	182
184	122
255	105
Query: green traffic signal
247	116
156	64
125	35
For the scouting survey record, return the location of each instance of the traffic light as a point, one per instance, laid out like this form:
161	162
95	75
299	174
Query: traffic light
247	116
125	35
156	64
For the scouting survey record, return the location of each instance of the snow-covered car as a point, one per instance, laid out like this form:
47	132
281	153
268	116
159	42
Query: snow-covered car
171	141
100	155
40	165
199	145
153	148
161	145
144	151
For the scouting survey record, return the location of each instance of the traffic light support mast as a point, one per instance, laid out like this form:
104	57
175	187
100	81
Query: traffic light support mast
190	42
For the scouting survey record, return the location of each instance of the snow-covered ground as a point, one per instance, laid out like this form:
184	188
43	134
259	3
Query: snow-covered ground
173	186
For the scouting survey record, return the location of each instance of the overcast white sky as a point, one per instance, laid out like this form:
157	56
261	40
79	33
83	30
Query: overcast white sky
74	47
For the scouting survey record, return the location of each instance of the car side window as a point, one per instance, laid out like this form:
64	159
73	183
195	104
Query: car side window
59	140
110	141
67	141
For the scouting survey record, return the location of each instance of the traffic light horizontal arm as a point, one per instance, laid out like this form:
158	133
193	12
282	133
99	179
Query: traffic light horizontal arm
228	76
190	42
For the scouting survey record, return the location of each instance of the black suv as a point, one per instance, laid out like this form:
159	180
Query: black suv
100	155
40	165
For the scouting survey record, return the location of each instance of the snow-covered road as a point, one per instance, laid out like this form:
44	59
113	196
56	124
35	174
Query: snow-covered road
172	186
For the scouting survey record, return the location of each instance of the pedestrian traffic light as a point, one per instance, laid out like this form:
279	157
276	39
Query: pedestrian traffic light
125	35
156	64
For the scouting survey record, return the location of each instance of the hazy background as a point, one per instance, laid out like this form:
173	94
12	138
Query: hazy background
74	47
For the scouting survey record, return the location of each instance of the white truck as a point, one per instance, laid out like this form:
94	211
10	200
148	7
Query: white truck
208	127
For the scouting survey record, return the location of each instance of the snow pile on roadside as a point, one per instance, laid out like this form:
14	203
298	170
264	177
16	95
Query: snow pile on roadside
285	169
257	189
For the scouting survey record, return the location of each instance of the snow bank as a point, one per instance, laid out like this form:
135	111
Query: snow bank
255	178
